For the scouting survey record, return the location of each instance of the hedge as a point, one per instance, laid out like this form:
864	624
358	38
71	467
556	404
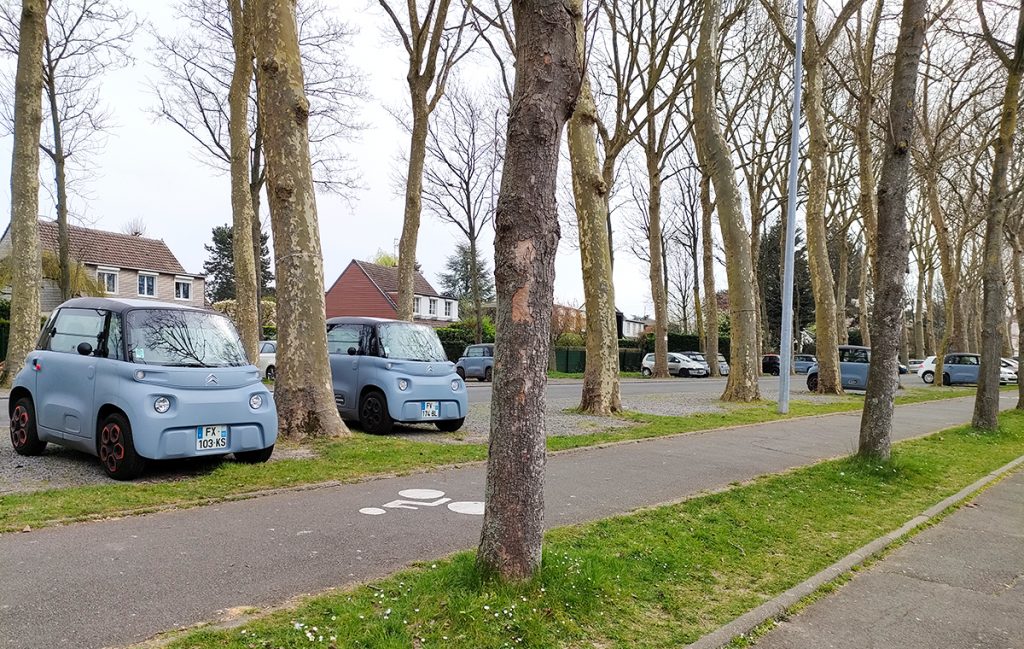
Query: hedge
683	343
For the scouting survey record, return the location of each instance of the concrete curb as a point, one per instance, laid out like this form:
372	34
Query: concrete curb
777	606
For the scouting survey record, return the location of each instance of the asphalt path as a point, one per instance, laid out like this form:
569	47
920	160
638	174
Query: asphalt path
116	582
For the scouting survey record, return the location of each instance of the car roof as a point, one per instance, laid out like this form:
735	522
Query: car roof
347	319
120	305
854	347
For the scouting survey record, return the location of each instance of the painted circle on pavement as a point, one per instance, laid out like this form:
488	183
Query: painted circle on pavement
372	511
472	508
421	494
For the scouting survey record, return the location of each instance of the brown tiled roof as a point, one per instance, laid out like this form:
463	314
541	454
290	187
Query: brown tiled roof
386	279
102	248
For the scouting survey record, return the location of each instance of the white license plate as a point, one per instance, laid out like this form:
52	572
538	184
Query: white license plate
430	409
697	372
209	438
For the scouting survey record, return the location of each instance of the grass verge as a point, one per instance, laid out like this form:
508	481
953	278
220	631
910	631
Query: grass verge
579	375
659	578
361	456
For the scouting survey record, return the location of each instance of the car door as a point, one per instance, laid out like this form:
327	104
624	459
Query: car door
344	351
971	365
474	362
675	364
65	378
853	366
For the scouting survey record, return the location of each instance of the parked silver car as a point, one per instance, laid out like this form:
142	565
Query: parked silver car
678	365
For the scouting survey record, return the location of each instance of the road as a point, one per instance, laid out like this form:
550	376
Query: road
121	581
712	387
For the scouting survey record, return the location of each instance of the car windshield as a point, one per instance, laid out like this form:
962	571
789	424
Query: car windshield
183	338
697	357
411	342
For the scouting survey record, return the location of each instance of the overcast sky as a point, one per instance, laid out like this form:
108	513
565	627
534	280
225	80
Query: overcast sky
150	169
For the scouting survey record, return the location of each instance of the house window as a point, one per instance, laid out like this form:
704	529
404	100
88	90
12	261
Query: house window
107	278
447	309
147	285
416	305
182	289
432	305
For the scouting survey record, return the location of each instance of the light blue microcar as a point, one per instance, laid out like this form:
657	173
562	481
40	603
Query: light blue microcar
388	371
137	380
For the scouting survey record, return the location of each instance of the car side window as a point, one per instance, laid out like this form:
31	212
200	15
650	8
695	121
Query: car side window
115	338
853	355
341	338
475	352
969	360
268	348
75	326
952	360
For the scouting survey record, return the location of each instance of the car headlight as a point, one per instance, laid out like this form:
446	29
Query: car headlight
403	384
256	401
456	384
162	405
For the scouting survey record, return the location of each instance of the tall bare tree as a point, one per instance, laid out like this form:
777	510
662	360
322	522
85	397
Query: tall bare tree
716	159
28	118
434	44
816	50
892	244
247	313
464	148
305	400
85	39
986	403
548	78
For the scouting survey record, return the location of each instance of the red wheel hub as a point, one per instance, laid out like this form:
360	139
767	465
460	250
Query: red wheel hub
19	426
111	446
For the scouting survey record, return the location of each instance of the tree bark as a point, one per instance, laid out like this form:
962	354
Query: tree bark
919	346
247	312
590	192
478	307
710	294
714	155
986	403
304	397
929	322
27	267
659	294
57	155
256	179
413	203
842	286
863	316
822	284
892	245
698	312
548	79
1017	273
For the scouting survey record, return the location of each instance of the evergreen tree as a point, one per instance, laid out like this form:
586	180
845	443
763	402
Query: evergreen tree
457	280
220	266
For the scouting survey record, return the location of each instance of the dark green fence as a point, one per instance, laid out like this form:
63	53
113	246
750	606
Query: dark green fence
574	359
5	334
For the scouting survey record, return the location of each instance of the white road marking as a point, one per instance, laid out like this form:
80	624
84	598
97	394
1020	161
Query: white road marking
421	494
473	508
372	511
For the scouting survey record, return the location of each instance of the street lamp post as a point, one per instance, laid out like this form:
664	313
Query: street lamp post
786	334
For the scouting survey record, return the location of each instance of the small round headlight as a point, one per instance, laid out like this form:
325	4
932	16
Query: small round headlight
456	384
403	384
139	375
162	404
256	402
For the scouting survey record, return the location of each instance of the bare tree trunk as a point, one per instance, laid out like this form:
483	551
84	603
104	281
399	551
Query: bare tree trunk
714	155
826	335
919	346
986	403
478	308
842	284
710	295
548	78
659	294
1017	272
413	205
698	312
247	311
953	331
57	155
929	322
256	179
892	245
304	397
862	299
26	278
590	191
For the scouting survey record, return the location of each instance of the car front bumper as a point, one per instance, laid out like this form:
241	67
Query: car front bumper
406	406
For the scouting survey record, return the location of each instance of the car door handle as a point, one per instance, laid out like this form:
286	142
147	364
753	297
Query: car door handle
90	372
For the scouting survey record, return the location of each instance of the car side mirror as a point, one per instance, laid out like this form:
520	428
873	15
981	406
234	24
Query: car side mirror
85	349
352	351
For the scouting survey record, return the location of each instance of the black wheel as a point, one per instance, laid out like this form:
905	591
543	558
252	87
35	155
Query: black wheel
271	373
488	375
461	372
373	414
928	377
812	382
946	380
449	425
255	457
775	372
646	371
23	429
117	450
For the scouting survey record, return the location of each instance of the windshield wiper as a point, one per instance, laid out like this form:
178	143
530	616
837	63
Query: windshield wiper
186	365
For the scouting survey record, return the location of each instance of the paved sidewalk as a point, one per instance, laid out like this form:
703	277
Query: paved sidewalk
958	585
121	581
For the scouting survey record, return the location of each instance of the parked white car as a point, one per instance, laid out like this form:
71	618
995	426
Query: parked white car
268	359
927	370
678	364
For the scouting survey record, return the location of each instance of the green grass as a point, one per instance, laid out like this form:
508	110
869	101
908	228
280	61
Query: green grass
659	578
361	456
